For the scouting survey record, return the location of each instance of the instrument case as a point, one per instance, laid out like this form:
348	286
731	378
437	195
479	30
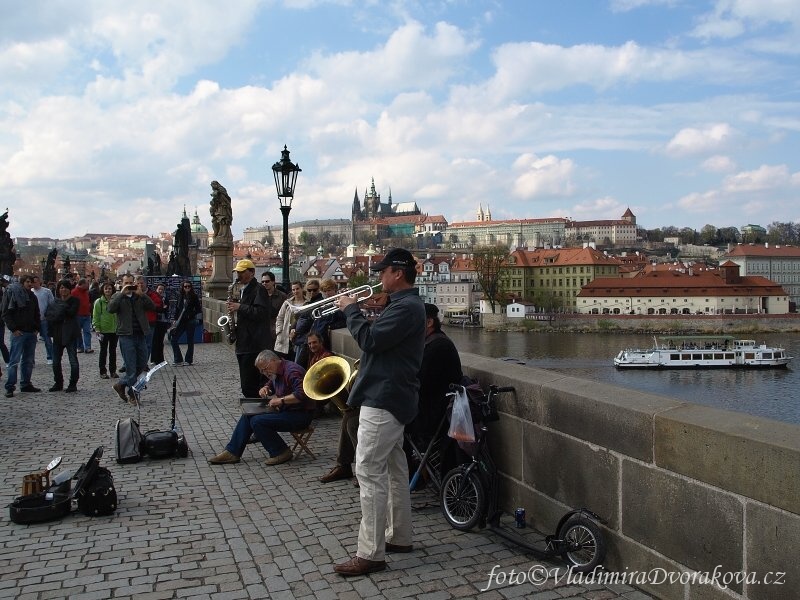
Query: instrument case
56	501
169	443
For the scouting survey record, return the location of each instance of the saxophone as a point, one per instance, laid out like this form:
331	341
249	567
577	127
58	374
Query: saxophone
228	322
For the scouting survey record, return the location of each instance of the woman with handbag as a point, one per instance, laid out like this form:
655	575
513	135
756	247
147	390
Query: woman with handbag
188	308
63	326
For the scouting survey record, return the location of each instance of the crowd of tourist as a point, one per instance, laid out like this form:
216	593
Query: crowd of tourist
68	314
406	364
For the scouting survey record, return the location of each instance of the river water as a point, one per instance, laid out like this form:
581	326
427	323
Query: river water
771	393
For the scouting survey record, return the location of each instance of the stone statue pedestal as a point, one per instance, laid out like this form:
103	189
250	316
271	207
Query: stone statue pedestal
221	270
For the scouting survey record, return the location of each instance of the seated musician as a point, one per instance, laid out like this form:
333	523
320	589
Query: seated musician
289	410
441	366
316	349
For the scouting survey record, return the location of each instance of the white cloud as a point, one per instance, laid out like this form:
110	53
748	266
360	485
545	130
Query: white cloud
697	141
702	202
731	18
533	67
600	208
541	177
718	164
766	177
411	59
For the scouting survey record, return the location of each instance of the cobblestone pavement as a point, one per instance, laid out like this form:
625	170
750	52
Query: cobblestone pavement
186	529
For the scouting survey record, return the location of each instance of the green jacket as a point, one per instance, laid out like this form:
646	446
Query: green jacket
102	320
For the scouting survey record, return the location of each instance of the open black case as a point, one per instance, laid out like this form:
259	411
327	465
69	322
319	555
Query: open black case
56	501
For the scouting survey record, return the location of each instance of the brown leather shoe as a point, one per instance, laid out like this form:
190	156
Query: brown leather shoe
224	458
281	458
120	389
359	566
336	473
398	548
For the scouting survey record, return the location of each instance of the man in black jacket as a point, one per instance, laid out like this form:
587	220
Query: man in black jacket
252	326
21	315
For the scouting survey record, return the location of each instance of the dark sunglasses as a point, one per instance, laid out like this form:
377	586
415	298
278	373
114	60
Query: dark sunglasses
187	287
312	289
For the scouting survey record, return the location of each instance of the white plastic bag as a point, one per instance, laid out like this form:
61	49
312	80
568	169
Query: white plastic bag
461	428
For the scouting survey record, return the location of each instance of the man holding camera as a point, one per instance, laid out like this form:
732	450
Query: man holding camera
130	304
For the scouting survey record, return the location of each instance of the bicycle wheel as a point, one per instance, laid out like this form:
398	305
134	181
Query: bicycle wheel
463	499
585	534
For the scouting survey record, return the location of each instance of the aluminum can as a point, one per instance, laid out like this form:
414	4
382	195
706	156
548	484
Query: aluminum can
519	518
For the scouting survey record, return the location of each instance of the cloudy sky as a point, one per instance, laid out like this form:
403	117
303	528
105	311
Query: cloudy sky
114	115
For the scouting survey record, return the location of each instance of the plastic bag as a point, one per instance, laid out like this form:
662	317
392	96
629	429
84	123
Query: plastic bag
461	428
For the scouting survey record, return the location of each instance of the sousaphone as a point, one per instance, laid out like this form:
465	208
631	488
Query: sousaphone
328	379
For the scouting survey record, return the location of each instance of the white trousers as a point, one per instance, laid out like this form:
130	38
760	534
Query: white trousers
382	473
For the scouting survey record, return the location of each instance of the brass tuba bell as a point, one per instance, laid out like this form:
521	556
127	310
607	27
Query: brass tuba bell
328	379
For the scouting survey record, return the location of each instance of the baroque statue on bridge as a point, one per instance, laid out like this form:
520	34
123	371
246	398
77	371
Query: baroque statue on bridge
221	213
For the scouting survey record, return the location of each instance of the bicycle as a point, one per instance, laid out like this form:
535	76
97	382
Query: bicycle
468	495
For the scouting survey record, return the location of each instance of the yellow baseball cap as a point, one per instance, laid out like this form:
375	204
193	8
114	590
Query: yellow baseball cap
244	264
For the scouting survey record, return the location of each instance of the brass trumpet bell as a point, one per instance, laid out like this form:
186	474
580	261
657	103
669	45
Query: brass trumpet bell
328	379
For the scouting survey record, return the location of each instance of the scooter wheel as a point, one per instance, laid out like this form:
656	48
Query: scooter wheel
463	498
589	544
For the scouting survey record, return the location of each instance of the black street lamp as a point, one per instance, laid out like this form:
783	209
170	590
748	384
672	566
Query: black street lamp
285	173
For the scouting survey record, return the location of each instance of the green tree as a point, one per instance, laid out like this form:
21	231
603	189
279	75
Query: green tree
708	235
783	233
728	235
357	280
688	235
488	262
546	301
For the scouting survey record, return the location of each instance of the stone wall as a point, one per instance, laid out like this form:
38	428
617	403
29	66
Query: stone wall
683	488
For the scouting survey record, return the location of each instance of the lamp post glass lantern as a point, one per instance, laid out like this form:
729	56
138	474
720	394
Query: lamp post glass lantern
285	173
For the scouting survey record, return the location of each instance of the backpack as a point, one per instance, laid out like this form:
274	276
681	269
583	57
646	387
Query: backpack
129	441
98	497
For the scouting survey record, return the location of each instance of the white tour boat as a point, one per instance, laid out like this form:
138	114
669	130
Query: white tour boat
702	352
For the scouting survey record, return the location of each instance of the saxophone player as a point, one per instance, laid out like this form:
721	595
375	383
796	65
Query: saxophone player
252	326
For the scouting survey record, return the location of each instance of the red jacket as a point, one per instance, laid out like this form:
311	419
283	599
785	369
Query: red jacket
84	306
152	315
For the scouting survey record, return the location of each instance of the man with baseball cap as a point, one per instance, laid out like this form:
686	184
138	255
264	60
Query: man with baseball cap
251	312
386	390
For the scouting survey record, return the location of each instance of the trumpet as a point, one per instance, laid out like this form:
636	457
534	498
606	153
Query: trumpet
327	306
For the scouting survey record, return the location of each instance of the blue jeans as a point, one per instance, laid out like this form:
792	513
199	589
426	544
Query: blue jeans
48	341
23	348
189	326
86	328
266	428
134	352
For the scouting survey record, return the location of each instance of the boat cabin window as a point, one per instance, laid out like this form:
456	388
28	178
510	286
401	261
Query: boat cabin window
767	355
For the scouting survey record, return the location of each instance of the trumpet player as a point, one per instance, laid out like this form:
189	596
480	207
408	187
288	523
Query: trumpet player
251	314
385	389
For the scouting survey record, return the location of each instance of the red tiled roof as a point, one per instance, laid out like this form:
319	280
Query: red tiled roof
509	221
562	257
677	284
761	250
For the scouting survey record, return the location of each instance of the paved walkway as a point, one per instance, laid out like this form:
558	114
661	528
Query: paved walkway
185	529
